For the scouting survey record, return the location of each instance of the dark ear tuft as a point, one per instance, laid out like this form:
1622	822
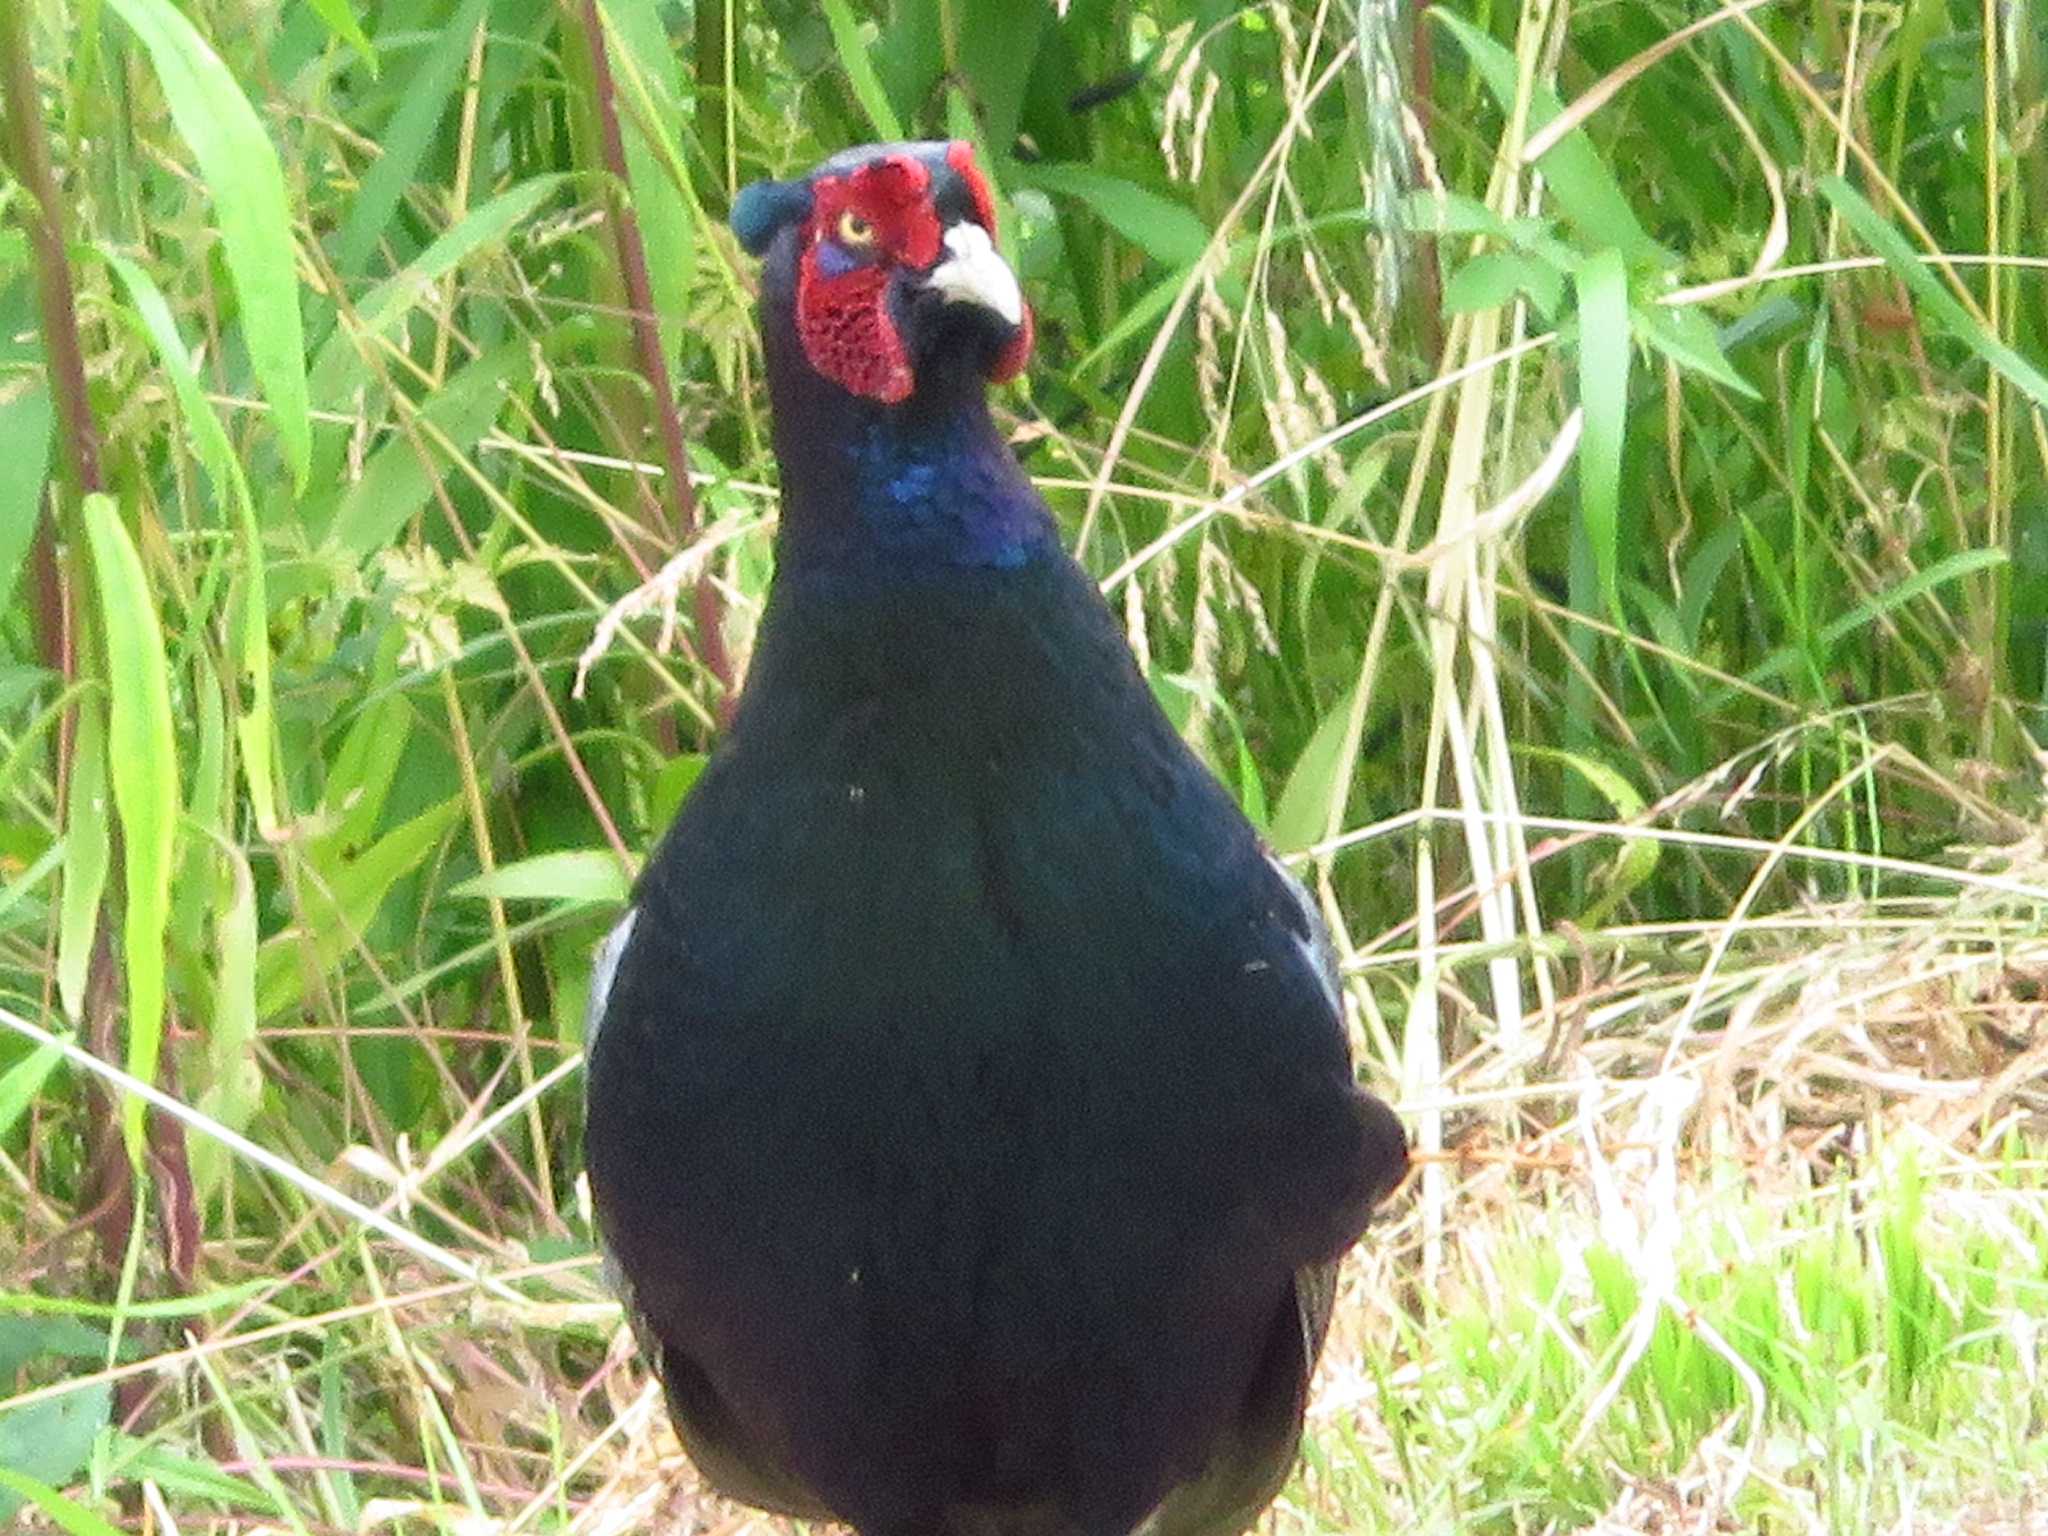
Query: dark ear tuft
763	207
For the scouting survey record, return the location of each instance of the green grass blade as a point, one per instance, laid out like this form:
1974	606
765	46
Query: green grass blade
1158	225
481	229
1964	562
405	142
85	857
1140	317
154	319
17	888
73	1518
1579	179
400	477
1688	339
163	1308
1635	860
240	168
234	1087
997	55
25	420
1303	811
860	70
1604	352
341	21
345	906
186	1477
567	874
20	1083
143	764
1926	288
255	726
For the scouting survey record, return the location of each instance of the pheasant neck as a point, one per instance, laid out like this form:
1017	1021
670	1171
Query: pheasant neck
928	483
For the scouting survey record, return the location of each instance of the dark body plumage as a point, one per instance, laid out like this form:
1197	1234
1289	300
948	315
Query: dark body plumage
971	1121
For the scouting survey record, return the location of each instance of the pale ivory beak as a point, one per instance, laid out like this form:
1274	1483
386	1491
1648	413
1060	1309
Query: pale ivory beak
975	273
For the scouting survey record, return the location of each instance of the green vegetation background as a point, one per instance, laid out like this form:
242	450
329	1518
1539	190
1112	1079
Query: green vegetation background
1474	481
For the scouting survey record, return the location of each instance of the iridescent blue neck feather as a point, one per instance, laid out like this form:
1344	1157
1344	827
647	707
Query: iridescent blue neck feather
944	489
927	484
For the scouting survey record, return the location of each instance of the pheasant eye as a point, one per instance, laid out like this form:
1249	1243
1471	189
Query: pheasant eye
855	231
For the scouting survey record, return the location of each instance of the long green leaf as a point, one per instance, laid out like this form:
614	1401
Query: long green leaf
860	70
1140	317
189	1478
69	1516
362	770
1304	807
234	1088
1493	278
478	231
1963	562
1603	393
1156	224
240	168
35	1304
25	420
1688	339
255	728
1635	859
402	474
154	320
344	906
568	874
86	845
997	54
341	21
21	1082
1578	178
1944	308
143	765
404	143
340	370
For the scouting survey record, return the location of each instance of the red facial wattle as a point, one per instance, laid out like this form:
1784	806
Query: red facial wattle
960	156
843	313
842	298
1016	352
848	333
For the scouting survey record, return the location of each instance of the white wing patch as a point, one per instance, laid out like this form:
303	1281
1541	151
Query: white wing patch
1314	938
604	970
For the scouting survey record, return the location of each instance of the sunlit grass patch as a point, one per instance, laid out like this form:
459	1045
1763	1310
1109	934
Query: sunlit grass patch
1608	550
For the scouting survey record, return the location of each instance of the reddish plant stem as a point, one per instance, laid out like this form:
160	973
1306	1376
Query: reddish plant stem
106	1198
43	218
675	458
